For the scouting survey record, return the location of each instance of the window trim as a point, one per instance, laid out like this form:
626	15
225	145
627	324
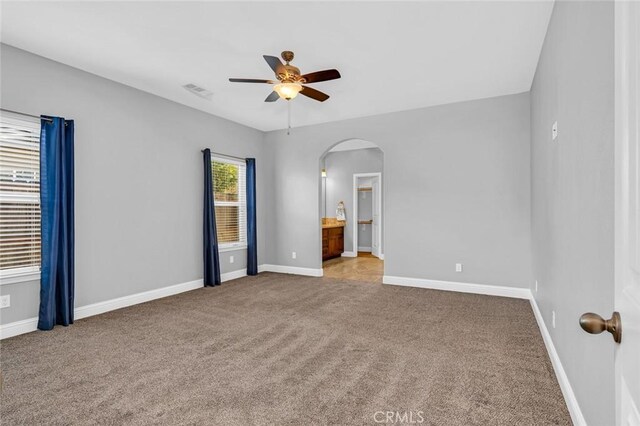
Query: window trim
240	245
224	247
28	273
19	275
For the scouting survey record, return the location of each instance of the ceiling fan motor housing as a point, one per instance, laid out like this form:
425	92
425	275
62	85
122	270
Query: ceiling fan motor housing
292	75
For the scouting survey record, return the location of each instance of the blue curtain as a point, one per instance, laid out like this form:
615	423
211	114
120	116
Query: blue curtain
57	223
211	256
252	238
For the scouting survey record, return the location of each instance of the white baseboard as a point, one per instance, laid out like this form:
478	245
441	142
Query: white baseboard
364	249
134	299
233	275
567	391
491	290
18	327
349	254
381	257
309	272
31	324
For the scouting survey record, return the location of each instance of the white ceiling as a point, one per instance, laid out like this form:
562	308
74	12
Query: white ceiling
392	56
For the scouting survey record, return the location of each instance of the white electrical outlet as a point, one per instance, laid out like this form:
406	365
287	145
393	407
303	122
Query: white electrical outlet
536	286
293	254
5	301
230	259
554	131
458	267
553	319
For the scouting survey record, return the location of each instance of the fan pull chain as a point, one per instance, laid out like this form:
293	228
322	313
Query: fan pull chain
289	117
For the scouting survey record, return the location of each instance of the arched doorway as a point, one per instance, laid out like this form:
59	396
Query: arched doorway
352	210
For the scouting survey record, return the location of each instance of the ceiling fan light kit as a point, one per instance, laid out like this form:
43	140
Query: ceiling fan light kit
287	91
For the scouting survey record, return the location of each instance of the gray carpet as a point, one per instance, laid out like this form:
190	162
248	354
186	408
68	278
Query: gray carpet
288	350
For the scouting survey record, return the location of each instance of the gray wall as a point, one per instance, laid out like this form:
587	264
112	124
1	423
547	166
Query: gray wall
456	185
572	194
138	180
341	166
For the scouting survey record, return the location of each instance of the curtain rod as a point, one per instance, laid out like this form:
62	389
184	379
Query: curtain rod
26	115
228	156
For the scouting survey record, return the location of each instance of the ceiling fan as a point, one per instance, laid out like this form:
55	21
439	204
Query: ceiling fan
290	82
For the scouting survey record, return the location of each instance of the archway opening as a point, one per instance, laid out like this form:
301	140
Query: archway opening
351	182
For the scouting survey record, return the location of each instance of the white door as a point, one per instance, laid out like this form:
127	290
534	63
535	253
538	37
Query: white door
375	225
627	211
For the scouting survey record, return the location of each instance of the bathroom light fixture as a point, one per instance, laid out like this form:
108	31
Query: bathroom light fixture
324	173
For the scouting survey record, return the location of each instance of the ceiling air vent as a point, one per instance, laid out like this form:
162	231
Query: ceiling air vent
198	91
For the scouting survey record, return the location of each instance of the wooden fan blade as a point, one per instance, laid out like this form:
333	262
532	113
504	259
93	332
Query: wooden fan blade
275	64
273	96
250	80
315	77
314	94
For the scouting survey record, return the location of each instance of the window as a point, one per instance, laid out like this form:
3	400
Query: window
229	192
19	199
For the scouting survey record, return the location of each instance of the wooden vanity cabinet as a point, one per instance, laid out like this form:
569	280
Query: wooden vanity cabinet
332	242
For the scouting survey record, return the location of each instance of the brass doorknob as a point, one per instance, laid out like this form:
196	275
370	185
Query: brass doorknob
595	324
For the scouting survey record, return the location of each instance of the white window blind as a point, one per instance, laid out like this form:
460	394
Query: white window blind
19	196
229	191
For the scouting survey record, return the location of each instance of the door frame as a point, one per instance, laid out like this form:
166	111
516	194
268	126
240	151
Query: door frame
627	291
354	214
